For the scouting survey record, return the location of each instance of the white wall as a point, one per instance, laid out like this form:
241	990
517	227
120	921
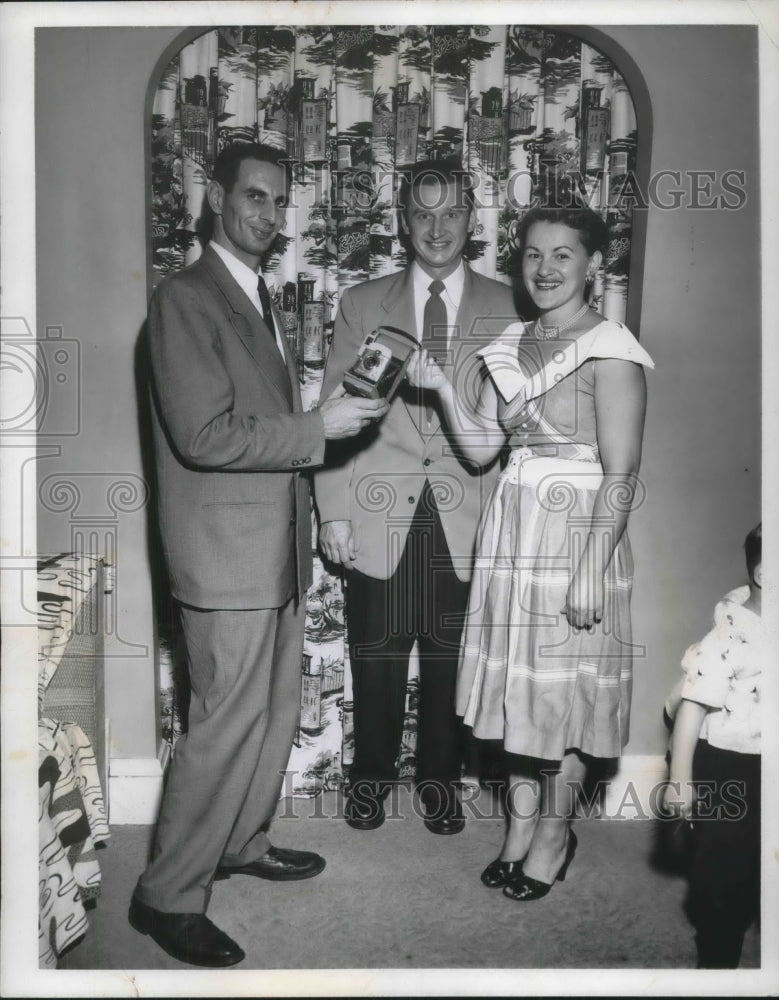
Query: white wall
701	324
91	281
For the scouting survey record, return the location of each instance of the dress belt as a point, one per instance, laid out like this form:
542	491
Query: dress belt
527	468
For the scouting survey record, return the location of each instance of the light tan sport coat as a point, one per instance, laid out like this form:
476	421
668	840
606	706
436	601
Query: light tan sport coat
375	479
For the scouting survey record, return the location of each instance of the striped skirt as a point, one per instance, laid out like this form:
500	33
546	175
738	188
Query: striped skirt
525	675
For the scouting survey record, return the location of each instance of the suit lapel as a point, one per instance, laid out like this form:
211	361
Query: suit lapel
474	305
468	333
398	306
399	311
250	328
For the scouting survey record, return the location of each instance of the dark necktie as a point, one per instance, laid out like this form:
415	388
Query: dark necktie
434	329
267	312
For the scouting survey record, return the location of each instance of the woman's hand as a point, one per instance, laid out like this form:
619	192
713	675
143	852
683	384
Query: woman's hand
584	600
424	372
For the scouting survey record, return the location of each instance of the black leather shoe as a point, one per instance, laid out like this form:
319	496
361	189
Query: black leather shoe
365	811
446	824
277	865
444	818
499	873
189	937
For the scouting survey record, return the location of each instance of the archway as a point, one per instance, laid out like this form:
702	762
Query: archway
352	105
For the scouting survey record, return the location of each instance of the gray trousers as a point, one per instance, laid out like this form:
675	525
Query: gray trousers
227	771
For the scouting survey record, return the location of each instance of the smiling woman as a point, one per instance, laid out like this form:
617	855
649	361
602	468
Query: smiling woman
546	656
561	254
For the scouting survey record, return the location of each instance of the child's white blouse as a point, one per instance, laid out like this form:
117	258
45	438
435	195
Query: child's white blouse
723	672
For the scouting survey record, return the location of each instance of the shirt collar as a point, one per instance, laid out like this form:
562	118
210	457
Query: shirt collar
453	284
733	604
243	274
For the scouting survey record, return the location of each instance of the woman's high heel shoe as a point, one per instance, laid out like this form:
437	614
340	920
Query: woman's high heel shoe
498	873
523	888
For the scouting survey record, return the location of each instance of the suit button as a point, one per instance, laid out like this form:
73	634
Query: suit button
293	520
307	459
427	461
410	499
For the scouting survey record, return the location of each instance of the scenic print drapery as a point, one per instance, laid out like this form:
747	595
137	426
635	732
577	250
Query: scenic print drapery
528	109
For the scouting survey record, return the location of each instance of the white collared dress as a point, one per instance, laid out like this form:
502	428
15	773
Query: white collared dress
525	675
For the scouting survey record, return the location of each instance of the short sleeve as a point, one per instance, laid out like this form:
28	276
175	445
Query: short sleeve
708	668
613	340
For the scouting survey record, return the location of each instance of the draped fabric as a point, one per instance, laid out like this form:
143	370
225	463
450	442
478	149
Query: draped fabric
71	821
72	817
525	107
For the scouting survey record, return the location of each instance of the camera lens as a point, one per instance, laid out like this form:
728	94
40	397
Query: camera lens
370	360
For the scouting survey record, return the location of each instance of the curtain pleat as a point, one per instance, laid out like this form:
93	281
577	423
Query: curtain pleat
198	80
525	107
487	147
383	231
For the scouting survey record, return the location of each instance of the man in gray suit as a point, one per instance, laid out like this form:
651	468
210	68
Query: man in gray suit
231	441
399	509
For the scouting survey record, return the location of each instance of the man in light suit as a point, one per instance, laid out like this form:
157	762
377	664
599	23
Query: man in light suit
231	440
398	509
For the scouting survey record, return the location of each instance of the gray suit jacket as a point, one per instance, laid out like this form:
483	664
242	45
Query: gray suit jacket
230	442
375	480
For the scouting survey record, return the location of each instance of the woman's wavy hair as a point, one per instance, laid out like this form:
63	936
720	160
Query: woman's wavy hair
591	228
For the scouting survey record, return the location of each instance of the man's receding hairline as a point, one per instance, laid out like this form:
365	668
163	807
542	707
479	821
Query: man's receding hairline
444	183
254	159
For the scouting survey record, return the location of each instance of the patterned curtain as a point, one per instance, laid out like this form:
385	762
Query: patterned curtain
525	108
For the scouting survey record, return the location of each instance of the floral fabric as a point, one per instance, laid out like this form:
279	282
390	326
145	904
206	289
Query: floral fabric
724	672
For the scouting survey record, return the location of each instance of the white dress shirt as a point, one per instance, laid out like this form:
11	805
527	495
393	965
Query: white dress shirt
451	295
247	279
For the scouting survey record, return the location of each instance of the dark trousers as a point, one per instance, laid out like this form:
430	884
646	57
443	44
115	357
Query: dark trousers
422	601
724	895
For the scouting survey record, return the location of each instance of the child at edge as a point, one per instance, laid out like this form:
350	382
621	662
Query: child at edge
715	768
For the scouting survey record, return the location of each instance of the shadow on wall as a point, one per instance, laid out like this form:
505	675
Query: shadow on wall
172	680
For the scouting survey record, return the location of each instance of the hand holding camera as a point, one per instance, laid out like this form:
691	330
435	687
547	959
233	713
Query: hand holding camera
344	415
380	364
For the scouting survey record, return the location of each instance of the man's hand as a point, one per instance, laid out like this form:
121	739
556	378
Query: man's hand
337	542
344	415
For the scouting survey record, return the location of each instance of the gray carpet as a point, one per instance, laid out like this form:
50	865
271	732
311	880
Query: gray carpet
402	898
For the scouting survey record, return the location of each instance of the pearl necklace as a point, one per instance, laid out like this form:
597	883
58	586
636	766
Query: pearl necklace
550	332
